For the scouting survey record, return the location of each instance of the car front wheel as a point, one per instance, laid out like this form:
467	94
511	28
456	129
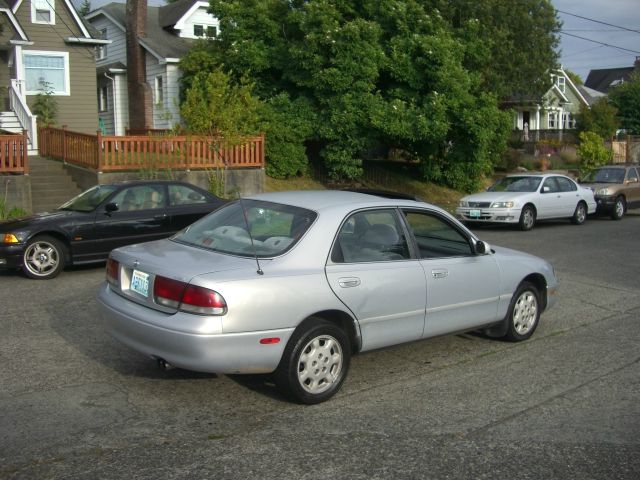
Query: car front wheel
618	209
43	258
315	362
580	214
527	218
524	313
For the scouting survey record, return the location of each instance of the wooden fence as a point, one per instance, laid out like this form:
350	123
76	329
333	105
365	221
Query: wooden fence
13	153
115	153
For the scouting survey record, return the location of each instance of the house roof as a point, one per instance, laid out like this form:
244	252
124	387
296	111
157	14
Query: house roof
17	33
159	41
603	79
172	13
590	95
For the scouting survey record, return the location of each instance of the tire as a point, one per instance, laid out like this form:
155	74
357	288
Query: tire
315	362
44	258
527	218
619	208
524	313
580	214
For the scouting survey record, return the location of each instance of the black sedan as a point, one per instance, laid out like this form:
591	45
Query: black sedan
87	227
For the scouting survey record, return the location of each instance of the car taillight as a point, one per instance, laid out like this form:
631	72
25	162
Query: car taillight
188	298
113	272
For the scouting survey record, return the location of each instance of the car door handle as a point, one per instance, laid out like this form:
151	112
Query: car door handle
348	282
160	216
440	273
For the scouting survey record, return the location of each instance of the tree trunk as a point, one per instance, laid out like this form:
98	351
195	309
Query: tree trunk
140	103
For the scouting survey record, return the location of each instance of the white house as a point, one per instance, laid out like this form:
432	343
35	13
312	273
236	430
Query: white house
171	30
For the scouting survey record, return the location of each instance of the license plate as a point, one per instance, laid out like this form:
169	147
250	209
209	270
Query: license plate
140	283
474	213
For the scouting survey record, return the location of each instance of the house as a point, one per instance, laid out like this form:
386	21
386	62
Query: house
44	45
170	33
602	80
555	111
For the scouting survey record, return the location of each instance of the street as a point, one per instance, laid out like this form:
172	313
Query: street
75	404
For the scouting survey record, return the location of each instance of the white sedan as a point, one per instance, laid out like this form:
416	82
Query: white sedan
524	199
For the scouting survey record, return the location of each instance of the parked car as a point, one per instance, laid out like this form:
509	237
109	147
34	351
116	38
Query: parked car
86	228
294	283
523	199
616	188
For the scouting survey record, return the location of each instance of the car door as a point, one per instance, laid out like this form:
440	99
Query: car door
371	271
632	187
550	199
462	286
569	196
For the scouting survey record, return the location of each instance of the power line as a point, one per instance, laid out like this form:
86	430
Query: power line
601	43
598	21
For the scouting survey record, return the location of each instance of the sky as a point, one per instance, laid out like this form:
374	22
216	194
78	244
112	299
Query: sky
577	55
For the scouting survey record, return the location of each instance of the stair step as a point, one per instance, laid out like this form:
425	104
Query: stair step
51	185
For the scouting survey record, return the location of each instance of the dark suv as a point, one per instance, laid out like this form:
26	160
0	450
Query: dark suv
616	188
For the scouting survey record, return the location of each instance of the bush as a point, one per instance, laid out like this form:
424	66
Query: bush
7	214
592	152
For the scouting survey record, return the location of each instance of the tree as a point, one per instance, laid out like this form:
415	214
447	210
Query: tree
592	152
575	78
85	8
626	98
600	119
369	76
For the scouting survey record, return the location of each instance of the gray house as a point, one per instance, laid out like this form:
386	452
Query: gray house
44	42
170	33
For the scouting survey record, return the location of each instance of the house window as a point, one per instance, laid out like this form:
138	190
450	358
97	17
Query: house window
198	30
553	120
43	11
212	32
101	50
561	83
46	72
568	122
159	90
103	102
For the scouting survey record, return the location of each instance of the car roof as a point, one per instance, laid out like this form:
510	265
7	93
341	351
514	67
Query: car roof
146	182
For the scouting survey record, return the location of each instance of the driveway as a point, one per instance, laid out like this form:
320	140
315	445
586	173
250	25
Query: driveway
75	404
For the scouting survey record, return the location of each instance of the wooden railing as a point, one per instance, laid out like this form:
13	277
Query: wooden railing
13	153
115	153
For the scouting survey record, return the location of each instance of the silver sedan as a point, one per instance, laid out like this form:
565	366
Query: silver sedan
295	283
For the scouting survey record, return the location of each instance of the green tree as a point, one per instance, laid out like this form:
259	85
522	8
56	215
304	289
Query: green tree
363	76
592	152
575	78
45	105
600	119
626	98
85	8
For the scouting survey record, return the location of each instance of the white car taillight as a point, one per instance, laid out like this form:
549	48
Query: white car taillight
188	298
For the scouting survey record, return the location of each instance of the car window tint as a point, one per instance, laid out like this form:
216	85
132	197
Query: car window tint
272	229
550	185
183	195
90	199
516	184
632	175
566	185
141	197
435	237
370	236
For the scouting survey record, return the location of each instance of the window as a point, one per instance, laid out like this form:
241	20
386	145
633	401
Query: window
101	50
198	30
553	117
46	72
566	185
103	102
140	198
435	237
550	185
370	236
182	195
561	83
159	90
568	122
43	11
212	32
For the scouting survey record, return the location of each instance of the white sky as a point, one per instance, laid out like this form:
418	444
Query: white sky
577	55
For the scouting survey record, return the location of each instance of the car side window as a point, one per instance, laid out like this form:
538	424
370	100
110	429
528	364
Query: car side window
435	237
550	185
370	236
632	176
566	185
140	197
183	195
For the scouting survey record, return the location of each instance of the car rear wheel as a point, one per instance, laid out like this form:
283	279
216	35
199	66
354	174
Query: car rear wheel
580	214
524	313
43	258
618	209
315	362
527	218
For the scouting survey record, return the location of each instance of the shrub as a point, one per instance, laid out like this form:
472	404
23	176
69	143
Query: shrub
592	152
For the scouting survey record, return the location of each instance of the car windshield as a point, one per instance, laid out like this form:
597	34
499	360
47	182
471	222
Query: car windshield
89	200
605	175
516	184
272	229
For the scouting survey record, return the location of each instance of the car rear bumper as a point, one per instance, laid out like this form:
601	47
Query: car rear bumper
11	256
133	325
488	215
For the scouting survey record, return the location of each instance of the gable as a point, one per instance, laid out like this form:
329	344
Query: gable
72	25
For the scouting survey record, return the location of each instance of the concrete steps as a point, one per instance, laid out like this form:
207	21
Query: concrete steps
9	122
51	185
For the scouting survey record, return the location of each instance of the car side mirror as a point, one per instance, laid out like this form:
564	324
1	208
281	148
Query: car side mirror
546	189
482	248
111	207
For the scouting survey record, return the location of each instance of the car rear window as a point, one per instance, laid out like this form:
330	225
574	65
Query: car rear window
248	228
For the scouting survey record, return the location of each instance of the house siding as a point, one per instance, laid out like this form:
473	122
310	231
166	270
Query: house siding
199	17
79	110
116	50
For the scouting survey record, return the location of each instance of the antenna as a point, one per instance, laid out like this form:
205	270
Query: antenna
253	247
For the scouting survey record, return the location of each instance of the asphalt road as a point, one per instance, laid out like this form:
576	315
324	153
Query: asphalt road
75	404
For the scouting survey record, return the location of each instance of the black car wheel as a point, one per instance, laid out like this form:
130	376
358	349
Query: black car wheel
43	258
315	362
